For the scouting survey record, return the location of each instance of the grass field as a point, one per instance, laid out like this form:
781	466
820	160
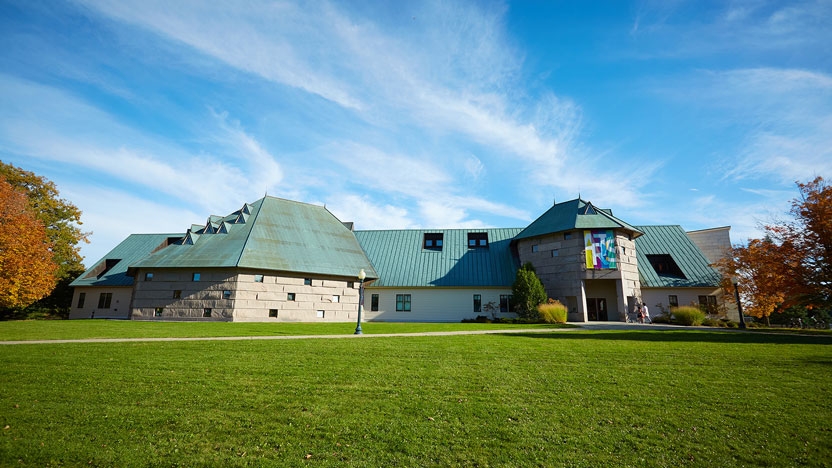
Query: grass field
565	398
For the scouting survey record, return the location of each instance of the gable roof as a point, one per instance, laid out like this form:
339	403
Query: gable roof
673	241
112	269
401	260
574	214
269	234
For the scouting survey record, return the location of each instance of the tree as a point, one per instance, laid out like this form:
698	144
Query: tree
790	266
528	292
27	268
61	220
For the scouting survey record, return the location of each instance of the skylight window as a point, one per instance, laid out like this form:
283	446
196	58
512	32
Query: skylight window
664	265
477	239
433	241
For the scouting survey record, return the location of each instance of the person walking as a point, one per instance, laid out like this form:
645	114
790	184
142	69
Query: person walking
645	314
639	314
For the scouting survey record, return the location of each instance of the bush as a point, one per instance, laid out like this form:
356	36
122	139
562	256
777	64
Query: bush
553	312
528	292
690	316
662	318
710	322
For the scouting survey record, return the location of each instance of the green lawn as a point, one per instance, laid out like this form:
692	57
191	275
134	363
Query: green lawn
576	398
78	329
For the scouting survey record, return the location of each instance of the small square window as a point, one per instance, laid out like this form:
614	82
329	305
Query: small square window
290	297
567	235
555	253
307	281
258	278
196	276
148	276
535	248
272	313
336	298
158	312
226	294
206	312
320	314
177	294
350	285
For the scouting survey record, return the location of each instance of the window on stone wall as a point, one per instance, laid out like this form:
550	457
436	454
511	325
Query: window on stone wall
535	248
272	313
158	311
477	303
206	312
555	252
177	294
258	278
673	300
226	294
290	297
148	276
320	314
82	297
374	303
350	285
336	298
104	300
196	277
307	281
567	235
402	302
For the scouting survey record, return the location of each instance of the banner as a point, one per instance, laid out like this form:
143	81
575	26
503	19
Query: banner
600	249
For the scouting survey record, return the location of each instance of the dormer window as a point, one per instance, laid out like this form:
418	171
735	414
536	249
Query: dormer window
477	239
433	241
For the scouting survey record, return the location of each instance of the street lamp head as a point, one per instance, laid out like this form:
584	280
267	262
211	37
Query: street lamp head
735	280
362	275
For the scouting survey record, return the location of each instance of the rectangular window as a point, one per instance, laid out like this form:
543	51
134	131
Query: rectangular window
402	302
477	303
320	314
258	278
477	239
505	302
555	252
535	248
226	294
82	297
206	312
567	235
336	298
148	276
673	300
708	304
350	285
307	281
374	303
158	312
290	296
433	241
104	300
196	276
177	294
272	313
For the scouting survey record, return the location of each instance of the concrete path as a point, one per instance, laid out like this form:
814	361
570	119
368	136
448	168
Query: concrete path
586	326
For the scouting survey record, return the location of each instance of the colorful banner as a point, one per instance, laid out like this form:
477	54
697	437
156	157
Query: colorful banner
600	249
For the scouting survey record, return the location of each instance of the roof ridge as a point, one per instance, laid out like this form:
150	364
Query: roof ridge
250	230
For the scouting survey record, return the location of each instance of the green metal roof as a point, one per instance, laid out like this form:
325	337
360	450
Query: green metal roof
673	241
132	249
269	234
574	214
401	261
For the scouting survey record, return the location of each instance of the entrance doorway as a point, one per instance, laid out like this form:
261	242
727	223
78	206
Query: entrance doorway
596	308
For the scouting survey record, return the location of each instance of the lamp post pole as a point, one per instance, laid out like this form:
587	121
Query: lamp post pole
361	276
736	282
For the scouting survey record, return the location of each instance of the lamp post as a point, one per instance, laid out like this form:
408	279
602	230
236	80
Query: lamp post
361	276
736	281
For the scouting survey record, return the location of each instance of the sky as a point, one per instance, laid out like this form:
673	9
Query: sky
151	115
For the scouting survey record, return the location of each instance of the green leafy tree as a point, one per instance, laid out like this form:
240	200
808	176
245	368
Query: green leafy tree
62	221
528	292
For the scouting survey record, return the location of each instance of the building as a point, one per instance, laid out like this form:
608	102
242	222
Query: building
282	260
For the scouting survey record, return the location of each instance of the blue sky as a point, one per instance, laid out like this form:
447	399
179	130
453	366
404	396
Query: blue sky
152	115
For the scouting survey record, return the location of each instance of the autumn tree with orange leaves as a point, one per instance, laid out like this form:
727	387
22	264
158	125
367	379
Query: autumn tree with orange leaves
27	268
790	266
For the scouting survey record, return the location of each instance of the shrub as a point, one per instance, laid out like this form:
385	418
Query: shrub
690	316
528	292
553	312
710	322
662	318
